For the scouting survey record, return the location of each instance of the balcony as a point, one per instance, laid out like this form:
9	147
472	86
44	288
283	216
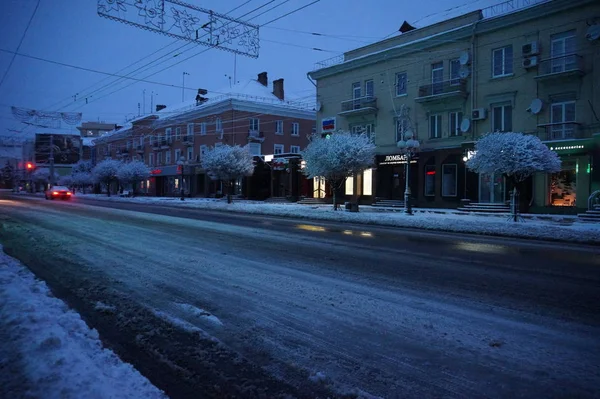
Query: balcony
562	131
255	135
449	89
561	67
188	140
139	149
164	144
359	106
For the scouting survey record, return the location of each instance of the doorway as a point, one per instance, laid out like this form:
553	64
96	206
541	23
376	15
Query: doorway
492	188
319	187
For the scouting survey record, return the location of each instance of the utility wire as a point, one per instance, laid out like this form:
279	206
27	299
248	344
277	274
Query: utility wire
20	43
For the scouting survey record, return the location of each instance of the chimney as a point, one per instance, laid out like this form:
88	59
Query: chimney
160	106
278	89
262	79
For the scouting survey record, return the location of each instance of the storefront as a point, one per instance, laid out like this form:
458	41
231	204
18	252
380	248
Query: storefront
168	181
391	176
445	179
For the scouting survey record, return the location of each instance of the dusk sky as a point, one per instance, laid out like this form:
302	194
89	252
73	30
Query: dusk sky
71	32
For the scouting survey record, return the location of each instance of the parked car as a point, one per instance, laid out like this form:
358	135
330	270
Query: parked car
61	192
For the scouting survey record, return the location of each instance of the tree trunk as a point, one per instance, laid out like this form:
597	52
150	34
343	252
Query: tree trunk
229	189
133	189
108	189
335	208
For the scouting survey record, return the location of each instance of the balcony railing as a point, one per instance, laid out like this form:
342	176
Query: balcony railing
359	106
571	64
562	131
441	90
188	140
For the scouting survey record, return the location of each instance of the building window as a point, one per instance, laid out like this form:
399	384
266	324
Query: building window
255	124
437	77
562	50
369	88
168	134
278	149
295	149
151	140
563	185
455	118
454	72
449	180
141	141
435	126
203	128
402	125
401	80
177	155
190	154
151	159
254	149
502	118
168	157
278	127
429	180
368	182
190	129
295	129
159	158
349	190
562	117
356	90
177	133
502	61
219	125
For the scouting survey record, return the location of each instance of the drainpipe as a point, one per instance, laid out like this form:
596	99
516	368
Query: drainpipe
473	76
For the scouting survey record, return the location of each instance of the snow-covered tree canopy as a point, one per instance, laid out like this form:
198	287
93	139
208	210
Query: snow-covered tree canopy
82	178
133	172
43	175
228	162
106	171
515	155
82	167
341	155
65	180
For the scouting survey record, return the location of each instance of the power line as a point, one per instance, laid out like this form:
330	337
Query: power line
20	43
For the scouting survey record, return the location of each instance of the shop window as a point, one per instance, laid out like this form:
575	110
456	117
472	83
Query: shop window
563	185
429	180
349	186
449	180
368	182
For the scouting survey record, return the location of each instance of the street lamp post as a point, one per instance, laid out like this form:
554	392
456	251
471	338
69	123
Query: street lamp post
182	163
408	146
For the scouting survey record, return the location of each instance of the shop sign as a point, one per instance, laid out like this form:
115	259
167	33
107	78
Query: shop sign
156	172
397	159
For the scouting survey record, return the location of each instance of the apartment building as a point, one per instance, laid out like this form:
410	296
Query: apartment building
250	114
534	70
90	131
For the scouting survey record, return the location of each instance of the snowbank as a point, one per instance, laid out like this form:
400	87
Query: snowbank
556	227
49	352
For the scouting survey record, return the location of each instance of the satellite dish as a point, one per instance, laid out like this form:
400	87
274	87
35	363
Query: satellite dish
536	106
465	125
464	72
593	32
464	58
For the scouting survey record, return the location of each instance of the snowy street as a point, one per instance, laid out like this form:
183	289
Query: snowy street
211	304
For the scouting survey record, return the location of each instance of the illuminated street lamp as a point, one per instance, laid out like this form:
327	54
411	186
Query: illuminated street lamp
408	146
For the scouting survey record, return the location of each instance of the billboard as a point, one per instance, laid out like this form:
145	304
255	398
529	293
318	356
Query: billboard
66	148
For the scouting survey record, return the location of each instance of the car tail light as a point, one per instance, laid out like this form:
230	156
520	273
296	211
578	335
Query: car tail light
55	193
69	193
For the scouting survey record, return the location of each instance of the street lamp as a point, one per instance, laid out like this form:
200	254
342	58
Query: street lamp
181	164
409	147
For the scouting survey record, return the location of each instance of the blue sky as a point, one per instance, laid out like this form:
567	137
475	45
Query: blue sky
71	32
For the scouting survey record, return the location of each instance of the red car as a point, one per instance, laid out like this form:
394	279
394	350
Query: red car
58	192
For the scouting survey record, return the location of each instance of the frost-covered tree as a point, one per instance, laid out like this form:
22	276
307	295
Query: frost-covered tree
65	181
105	172
517	156
82	179
42	175
82	167
338	157
228	163
132	173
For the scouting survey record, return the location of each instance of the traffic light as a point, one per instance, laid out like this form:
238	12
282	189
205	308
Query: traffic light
29	166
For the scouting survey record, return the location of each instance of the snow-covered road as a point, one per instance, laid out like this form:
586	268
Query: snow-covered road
302	308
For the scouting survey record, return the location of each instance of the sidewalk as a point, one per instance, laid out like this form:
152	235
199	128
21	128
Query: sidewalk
547	227
48	351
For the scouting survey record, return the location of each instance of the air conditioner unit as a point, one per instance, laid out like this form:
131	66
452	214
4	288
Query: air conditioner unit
530	62
531	48
479	114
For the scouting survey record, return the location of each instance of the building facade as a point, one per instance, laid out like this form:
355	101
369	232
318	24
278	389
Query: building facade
533	71
250	114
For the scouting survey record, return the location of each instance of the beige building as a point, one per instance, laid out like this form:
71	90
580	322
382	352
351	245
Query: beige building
534	70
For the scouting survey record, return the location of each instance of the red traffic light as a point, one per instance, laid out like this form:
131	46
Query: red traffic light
29	166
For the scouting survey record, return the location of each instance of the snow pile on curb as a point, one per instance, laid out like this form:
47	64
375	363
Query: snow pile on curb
489	225
49	351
